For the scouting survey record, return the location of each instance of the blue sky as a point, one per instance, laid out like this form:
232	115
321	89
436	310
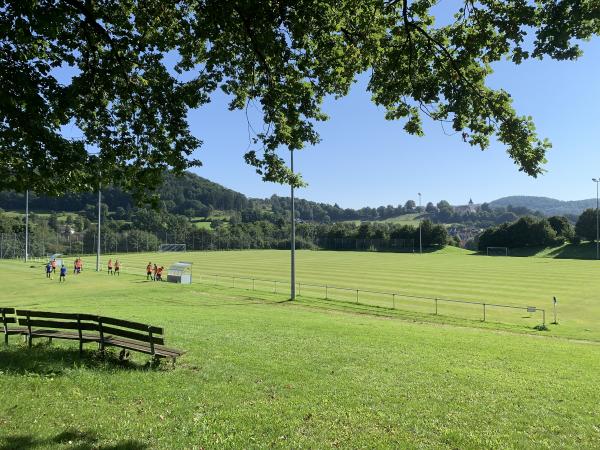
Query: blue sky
365	160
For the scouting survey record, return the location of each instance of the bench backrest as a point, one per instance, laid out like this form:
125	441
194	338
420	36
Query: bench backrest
57	320
105	326
131	330
8	316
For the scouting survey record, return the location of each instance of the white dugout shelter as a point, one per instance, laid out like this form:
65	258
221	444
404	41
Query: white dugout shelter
180	272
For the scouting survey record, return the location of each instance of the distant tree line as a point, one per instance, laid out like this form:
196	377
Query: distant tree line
482	216
193	196
536	232
145	230
528	232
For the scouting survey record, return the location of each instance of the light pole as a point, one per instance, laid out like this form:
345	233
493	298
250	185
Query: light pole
597	181
27	225
420	237
293	238
99	220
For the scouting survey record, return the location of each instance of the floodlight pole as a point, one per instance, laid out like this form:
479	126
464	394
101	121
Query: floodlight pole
597	180
27	225
420	236
293	238
99	220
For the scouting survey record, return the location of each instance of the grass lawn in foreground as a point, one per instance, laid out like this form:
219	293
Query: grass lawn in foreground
260	371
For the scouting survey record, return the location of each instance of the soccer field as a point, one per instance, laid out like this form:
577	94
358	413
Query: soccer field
450	273
262	372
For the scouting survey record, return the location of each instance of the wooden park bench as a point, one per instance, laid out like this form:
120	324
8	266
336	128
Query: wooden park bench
8	317
105	331
135	336
56	325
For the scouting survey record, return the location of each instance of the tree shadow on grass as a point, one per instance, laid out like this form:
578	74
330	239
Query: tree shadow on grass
514	252
574	251
586	250
48	360
71	438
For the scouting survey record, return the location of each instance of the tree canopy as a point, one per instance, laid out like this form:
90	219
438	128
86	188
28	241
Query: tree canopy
130	100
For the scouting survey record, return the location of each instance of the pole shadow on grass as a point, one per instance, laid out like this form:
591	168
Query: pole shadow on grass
50	360
71	438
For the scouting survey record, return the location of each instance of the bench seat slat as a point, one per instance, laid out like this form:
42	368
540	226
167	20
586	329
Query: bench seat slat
9	320
17	330
7	310
64	335
138	346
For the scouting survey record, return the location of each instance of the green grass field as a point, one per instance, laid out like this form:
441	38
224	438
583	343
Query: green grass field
261	371
451	273
408	219
200	224
405	219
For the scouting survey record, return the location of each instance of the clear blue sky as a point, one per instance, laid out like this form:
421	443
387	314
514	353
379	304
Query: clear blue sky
365	160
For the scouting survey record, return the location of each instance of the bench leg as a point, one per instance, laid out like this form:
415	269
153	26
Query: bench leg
173	359
80	349
6	339
155	361
30	341
49	340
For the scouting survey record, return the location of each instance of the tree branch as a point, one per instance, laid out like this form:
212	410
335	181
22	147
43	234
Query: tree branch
408	37
87	12
252	38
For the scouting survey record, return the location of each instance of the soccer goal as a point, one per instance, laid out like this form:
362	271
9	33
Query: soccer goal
497	251
171	248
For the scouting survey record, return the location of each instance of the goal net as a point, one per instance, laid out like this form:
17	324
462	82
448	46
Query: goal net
171	248
497	251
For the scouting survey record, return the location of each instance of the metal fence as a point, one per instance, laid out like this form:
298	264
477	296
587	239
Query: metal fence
390	300
464	309
12	245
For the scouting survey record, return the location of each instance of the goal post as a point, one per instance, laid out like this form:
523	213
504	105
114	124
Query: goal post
171	248
497	251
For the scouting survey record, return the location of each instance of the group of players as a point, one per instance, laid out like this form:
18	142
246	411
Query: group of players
114	269
51	267
154	272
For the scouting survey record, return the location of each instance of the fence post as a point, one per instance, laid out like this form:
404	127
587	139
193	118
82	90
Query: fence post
544	317
357	296
484	312
252	283
326	292
394	301
298	289
276	287
436	306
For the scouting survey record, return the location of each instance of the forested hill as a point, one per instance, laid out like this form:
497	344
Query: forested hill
193	196
548	206
189	194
